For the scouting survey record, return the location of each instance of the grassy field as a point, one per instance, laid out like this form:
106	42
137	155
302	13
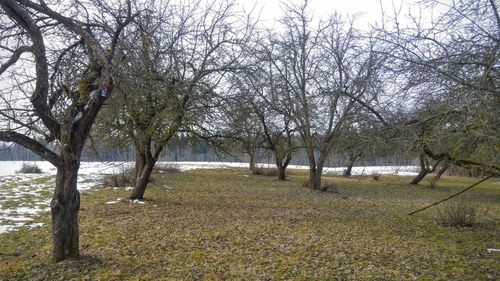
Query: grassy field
226	225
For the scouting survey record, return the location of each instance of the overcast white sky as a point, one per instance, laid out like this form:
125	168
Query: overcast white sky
369	11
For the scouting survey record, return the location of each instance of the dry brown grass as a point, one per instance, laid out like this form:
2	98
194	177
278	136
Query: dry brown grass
218	225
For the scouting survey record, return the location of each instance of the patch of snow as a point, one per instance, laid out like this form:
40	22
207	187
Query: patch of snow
136	201
31	198
34	225
368	170
30	211
6	228
11	218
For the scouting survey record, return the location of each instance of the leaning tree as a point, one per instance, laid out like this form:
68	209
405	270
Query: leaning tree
56	74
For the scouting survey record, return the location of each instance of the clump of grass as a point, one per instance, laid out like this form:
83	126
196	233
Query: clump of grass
29	168
376	176
331	187
331	174
117	180
268	172
328	186
457	213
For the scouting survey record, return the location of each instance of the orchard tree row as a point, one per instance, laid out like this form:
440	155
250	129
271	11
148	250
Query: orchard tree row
141	73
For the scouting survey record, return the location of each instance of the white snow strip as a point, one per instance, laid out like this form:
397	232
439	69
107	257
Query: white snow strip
112	202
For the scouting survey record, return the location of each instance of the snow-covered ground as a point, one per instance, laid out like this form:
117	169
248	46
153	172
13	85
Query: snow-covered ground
24	196
366	170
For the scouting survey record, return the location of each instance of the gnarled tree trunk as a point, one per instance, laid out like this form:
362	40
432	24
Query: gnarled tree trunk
315	173
282	164
141	181
281	169
144	165
64	209
424	170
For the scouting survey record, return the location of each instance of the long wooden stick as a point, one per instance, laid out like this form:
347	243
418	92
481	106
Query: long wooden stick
449	197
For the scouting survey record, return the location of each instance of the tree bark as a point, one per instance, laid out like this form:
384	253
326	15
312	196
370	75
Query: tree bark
314	180
64	209
315	174
144	165
71	123
424	170
350	164
281	172
282	165
252	166
438	176
142	180
140	162
348	170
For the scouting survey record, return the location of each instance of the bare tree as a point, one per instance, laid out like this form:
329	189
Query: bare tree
278	135
452	66
363	138
241	129
271	130
171	69
330	77
56	76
